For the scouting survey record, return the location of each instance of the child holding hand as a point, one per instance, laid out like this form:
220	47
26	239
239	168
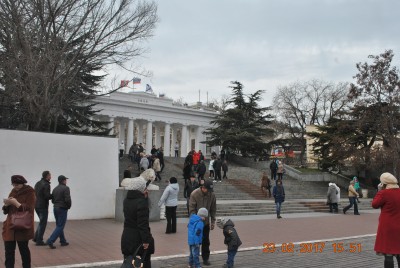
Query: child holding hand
195	236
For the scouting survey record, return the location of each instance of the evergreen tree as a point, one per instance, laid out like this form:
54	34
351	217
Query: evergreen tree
242	125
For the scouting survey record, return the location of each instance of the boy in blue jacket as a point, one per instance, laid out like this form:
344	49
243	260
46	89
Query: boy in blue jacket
195	236
232	240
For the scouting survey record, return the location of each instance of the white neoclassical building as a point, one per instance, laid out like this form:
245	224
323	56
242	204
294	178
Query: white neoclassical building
151	120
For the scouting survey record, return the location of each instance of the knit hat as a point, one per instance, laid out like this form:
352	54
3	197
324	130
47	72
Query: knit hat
203	212
135	184
18	179
389	180
221	222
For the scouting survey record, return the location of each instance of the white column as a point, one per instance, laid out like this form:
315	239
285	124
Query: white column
167	142
130	134
174	139
140	132
184	141
122	132
111	125
199	138
157	133
149	137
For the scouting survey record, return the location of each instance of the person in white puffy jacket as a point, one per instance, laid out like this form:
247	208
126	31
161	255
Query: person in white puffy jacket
170	199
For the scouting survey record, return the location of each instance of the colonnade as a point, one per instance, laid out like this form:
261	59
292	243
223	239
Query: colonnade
158	133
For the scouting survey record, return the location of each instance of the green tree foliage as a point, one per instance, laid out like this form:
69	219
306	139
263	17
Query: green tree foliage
242	124
370	129
51	53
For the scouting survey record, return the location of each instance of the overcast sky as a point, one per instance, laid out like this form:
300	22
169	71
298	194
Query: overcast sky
205	44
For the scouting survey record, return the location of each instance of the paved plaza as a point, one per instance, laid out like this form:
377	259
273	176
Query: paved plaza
96	243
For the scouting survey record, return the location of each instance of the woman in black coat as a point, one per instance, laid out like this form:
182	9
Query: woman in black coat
136	225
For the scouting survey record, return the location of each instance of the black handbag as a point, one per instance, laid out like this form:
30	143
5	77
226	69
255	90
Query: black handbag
134	261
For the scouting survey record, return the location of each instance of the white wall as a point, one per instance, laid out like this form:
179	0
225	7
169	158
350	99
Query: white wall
90	163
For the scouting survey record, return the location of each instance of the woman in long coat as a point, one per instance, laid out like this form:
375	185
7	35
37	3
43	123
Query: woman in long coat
388	234
136	224
22	197
332	198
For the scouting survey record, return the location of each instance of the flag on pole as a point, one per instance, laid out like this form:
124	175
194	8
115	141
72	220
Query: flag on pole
149	89
136	80
124	83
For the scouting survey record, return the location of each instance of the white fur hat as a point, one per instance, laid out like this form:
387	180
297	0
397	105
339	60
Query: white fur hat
134	184
148	174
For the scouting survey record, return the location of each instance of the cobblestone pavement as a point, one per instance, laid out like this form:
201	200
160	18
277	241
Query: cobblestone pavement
330	256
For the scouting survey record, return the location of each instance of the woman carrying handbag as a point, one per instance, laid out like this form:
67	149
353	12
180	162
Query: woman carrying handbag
18	228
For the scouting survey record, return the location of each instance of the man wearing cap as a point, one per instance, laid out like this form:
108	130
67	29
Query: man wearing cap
43	195
61	203
204	197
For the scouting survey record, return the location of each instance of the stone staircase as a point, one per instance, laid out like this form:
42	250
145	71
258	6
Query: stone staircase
241	193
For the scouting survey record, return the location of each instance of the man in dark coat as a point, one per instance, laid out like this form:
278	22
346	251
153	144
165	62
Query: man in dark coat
61	203
274	168
201	170
190	186
43	195
217	169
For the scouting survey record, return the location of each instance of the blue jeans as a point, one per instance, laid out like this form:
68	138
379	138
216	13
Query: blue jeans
61	219
231	258
353	202
278	208
43	214
194	260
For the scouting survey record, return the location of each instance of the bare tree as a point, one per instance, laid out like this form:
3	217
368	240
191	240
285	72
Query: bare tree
50	49
308	103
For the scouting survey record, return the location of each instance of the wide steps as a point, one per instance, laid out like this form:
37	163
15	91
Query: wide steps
241	195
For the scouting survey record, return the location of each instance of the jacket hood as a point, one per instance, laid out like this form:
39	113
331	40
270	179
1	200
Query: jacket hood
174	186
229	223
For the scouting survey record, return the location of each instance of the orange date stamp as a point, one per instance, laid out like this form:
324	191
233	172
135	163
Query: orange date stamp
314	247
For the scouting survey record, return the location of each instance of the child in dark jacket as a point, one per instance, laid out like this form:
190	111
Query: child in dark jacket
232	240
195	236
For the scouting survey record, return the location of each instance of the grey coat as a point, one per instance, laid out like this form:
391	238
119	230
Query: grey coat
332	195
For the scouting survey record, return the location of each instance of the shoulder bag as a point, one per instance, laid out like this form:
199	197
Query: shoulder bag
135	260
21	220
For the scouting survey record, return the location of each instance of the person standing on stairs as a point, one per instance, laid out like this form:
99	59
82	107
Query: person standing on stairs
225	169
279	195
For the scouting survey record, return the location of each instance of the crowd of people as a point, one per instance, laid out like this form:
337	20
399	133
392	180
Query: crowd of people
201	207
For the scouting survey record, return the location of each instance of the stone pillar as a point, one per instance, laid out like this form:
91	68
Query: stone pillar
122	133
157	134
174	139
111	125
184	141
140	132
149	137
167	142
129	141
199	138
